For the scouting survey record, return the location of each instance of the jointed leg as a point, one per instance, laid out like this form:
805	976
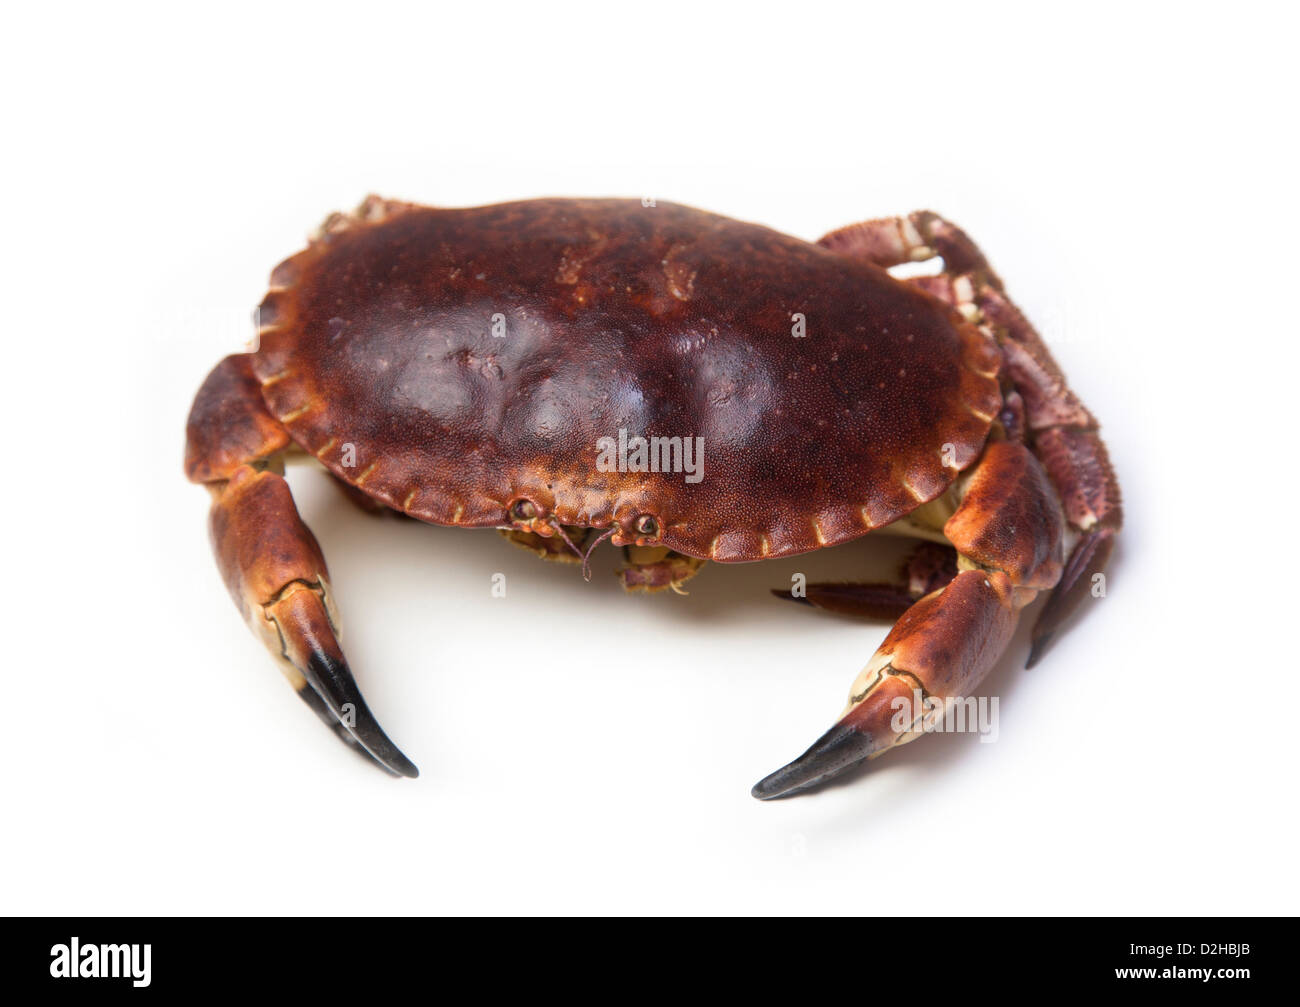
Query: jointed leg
927	569
1064	436
269	559
1040	408
892	241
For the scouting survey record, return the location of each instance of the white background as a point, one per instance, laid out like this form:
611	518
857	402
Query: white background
1129	169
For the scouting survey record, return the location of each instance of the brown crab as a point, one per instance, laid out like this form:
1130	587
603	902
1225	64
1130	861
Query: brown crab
489	368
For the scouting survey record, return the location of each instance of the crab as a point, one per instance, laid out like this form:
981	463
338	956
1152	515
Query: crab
548	368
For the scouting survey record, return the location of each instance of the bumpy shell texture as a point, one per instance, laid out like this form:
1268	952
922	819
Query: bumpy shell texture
453	362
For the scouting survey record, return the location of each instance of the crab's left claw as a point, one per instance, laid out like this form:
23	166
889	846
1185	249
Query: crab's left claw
1008	532
1045	469
941	647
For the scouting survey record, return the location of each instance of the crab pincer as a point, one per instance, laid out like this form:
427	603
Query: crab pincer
270	561
1007	528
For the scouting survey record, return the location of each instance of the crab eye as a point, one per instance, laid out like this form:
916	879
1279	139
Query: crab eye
523	510
647	526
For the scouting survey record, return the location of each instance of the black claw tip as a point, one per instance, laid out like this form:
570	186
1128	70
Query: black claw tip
1037	649
784	592
333	682
831	754
308	695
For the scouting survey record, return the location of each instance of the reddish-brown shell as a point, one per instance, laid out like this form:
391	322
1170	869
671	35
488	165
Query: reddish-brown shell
378	349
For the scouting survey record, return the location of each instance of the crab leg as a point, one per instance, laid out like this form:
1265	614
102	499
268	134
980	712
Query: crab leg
269	560
881	602
1061	432
892	241
928	568
1064	436
1008	533
1041	408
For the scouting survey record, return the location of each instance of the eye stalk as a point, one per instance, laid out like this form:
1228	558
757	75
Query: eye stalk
646	525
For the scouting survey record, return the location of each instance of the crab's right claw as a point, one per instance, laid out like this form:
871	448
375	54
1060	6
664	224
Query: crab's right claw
311	647
276	575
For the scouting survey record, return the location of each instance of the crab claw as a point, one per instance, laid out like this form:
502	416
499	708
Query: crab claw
317	706
311	647
941	647
276	575
861	732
